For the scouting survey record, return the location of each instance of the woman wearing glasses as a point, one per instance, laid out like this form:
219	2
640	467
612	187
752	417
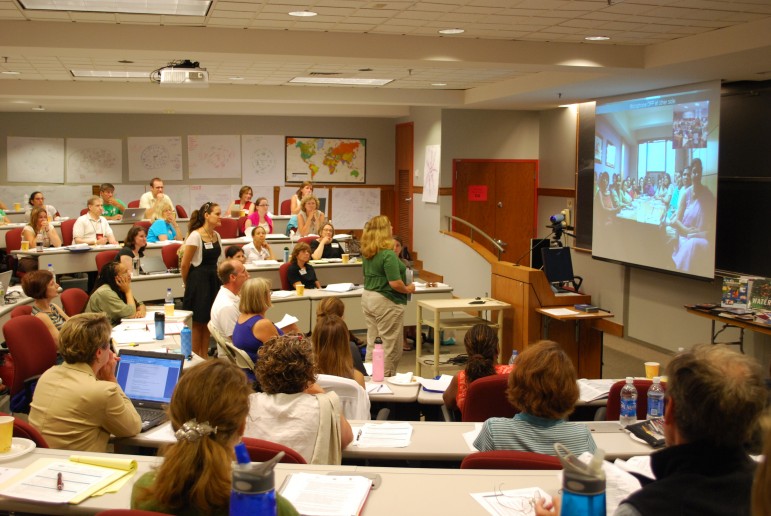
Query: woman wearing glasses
260	217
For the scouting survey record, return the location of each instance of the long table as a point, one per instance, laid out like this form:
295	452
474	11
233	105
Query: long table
65	261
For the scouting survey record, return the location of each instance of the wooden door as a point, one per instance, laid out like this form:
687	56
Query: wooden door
499	197
403	181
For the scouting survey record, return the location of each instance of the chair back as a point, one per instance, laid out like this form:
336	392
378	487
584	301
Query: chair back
133	204
144	224
307	240
353	397
261	451
170	257
228	351
13	240
486	398
74	301
181	213
286	207
510	459
32	347
66	228
613	410
21	310
282	273
104	257
242	225
84	211
23	429
228	228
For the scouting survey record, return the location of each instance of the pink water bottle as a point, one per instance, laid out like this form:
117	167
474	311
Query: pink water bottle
378	361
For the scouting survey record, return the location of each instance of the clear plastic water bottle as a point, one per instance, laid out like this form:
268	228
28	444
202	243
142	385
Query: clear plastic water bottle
39	241
655	399
160	326
168	304
514	354
378	361
254	485
628	413
186	337
51	269
135	267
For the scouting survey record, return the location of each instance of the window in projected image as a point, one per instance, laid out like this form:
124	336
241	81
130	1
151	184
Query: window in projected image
656	179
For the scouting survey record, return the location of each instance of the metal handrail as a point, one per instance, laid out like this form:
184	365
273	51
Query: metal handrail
498	244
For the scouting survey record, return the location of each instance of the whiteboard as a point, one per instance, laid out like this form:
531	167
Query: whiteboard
214	156
94	160
262	160
353	207
151	157
35	160
200	194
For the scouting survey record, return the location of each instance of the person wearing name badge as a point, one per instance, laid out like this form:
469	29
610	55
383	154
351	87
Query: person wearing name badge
37	200
133	247
112	294
300	272
164	223
154	195
243	203
202	251
38	223
259	217
310	220
258	249
92	228
113	208
326	246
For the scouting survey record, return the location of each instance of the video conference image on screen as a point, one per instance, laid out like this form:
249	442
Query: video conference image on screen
655	194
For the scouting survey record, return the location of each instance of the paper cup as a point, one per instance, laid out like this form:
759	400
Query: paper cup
300	290
345	258
6	433
24	245
651	369
17	206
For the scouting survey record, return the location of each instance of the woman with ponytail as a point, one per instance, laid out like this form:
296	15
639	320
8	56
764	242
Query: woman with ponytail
481	343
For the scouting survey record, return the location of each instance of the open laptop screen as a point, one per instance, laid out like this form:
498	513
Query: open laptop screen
149	376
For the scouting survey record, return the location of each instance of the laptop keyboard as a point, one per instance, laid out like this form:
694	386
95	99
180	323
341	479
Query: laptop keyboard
150	417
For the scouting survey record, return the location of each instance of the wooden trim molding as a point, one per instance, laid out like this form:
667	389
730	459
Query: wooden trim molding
442	191
557	192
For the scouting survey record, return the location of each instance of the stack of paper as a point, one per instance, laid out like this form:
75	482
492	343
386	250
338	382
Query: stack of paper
286	321
384	435
340	287
326	495
590	390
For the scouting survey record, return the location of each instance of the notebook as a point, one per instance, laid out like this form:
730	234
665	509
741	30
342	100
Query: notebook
153	265
148	378
134	214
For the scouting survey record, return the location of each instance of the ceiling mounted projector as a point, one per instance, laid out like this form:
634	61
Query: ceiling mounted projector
182	73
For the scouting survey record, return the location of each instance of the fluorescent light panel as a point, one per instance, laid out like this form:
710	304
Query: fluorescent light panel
172	7
341	81
107	74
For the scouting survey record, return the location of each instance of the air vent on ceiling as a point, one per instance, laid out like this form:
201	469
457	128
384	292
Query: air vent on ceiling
323	74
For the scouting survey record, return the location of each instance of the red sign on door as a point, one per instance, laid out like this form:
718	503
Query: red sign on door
477	193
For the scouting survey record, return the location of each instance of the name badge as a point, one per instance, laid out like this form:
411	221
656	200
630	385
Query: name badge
303	272
335	245
208	245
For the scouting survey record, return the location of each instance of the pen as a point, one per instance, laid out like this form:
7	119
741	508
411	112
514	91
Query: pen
358	436
59	482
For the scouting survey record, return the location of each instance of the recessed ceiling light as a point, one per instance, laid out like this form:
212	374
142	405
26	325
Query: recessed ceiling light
38	108
110	74
10	72
341	81
303	14
597	38
172	7
451	31
438	84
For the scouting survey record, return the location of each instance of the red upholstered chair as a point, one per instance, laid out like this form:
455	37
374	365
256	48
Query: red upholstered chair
67	231
133	204
242	225
144	223
260	451
74	301
32	348
509	459
307	240
286	207
130	512
23	429
282	269
613	410
170	257
228	228
21	310
84	211
104	257
181	213
13	243
486	398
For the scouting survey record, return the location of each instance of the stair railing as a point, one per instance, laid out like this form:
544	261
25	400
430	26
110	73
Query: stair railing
498	244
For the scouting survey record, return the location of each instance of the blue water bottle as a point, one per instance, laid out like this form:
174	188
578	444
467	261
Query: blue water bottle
186	336
583	485
160	326
253	492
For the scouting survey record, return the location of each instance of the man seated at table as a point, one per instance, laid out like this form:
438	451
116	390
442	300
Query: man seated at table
148	199
224	310
78	404
714	398
113	208
92	228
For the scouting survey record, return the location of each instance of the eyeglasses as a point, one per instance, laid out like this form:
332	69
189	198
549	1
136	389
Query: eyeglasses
39	199
263	205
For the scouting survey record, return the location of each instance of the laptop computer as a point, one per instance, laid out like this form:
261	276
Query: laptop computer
134	214
152	265
148	378
5	278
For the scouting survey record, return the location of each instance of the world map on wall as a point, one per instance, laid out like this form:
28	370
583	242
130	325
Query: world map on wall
331	160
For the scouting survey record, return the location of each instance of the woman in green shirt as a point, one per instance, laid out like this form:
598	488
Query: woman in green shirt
386	291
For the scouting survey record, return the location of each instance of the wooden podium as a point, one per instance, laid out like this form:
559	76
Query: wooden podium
527	289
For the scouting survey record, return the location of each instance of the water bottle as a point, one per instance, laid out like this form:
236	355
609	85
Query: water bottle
655	399
168	304
160	326
583	485
135	267
628	413
378	361
51	269
253	485
39	241
286	254
514	354
186	336
2	294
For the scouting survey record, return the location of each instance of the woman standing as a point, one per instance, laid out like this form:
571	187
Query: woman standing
133	247
164	226
243	203
310	220
38	223
300	272
259	218
42	287
199	271
112	294
259	249
385	291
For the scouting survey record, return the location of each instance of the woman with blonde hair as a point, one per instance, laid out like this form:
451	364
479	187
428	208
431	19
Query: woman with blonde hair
252	327
334	306
304	191
38	223
331	349
385	291
195	476
164	223
310	220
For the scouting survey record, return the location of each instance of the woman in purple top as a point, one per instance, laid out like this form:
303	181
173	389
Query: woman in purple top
252	328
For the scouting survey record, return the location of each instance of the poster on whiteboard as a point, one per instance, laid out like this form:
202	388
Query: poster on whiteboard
214	156
94	160
35	160
353	207
262	160
156	156
431	176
